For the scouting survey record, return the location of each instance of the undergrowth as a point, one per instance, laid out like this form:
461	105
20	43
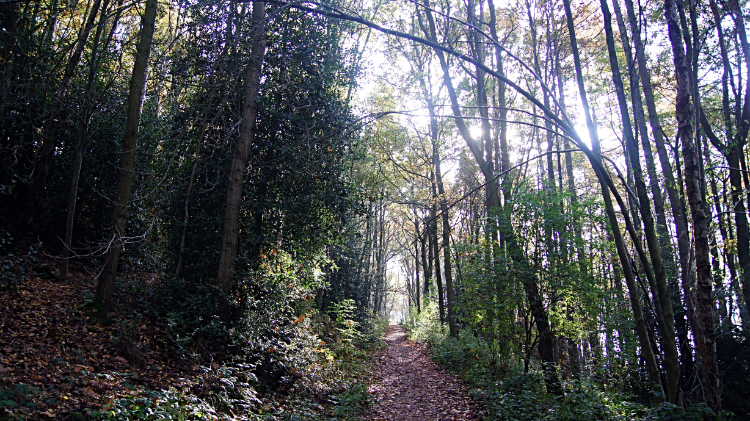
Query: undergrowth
507	393
283	358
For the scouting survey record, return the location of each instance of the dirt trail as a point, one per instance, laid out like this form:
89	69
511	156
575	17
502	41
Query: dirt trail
409	386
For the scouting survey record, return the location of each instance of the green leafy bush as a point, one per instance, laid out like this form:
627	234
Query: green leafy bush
352	402
425	327
18	401
161	405
509	393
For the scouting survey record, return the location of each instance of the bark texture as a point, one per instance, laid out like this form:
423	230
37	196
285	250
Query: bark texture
137	89
705	338
238	167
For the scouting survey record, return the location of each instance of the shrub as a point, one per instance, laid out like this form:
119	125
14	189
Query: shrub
425	327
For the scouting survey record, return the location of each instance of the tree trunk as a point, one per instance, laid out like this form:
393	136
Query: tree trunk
81	144
549	185
417	285
436	256
50	134
736	137
137	89
675	199
426	271
546	342
440	197
430	253
238	168
191	183
665	315
706	337
665	243
641	330
450	293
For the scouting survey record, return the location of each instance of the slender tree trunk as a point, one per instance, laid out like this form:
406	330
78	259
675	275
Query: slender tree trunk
430	253
50	134
380	251
502	163
137	89
546	342
450	289
675	199
706	338
441	198
573	349
665	243
81	143
549	185
191	184
450	293
736	137
77	164
234	37
570	176
235	183
426	271
727	254
740	218
665	316
720	292
641	330
501	101
436	257
417	285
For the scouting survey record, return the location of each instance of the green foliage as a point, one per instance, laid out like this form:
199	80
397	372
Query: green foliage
466	351
344	312
352	402
425	326
509	393
189	314
275	348
19	400
93	308
490	299
162	405
371	333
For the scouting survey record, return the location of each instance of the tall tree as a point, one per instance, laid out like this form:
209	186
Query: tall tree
661	296
82	138
50	135
236	176
646	349
136	92
706	336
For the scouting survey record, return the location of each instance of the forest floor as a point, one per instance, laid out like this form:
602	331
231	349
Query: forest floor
54	361
409	386
57	361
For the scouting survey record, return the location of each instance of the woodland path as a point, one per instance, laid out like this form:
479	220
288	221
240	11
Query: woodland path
409	386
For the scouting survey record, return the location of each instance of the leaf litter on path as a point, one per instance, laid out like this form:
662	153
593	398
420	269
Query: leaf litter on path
409	386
